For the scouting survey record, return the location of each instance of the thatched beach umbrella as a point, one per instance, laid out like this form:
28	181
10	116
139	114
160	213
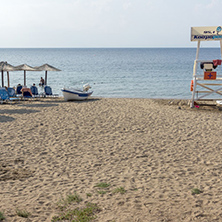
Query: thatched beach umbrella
25	68
46	67
4	66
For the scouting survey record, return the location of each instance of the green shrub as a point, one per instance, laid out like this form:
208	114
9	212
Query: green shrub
102	185
119	190
2	217
22	213
196	191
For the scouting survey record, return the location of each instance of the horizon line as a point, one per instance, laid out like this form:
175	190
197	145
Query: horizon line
165	47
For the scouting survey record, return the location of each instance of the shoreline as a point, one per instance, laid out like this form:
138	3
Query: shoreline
150	148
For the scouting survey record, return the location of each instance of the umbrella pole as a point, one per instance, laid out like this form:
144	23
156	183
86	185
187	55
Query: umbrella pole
2	78
24	78
8	79
46	78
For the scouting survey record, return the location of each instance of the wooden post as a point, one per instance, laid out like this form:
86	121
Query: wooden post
46	77
24	78
2	78
8	79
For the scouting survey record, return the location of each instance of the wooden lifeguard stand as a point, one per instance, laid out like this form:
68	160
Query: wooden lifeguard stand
207	78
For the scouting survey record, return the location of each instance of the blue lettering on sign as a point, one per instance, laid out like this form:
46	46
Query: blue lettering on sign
203	37
217	37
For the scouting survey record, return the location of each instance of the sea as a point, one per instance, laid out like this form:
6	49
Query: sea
111	72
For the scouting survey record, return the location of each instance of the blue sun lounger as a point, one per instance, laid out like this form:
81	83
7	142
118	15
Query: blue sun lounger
26	93
11	92
34	91
18	90
48	91
4	96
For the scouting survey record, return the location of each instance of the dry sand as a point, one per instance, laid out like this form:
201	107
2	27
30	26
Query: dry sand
157	150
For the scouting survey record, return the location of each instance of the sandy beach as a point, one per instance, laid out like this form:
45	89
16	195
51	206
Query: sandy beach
155	151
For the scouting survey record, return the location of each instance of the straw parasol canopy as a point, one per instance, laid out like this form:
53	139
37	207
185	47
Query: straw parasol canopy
46	67
25	68
4	66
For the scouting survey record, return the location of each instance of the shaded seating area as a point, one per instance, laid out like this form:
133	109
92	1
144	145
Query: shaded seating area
4	96
33	90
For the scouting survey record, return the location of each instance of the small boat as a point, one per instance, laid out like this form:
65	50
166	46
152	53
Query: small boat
76	94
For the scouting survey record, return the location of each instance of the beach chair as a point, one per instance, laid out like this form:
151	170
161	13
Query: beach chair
4	95
34	91
18	89
11	92
26	93
48	91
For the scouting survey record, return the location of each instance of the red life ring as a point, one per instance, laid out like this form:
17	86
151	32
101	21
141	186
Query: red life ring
191	85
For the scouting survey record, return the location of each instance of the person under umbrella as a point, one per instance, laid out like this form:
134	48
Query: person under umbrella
42	82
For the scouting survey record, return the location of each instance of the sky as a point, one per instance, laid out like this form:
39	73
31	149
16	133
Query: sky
105	23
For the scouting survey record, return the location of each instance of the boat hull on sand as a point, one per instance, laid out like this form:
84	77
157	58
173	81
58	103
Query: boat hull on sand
73	94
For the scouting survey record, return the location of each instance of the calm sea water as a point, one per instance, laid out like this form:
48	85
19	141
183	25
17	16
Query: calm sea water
113	72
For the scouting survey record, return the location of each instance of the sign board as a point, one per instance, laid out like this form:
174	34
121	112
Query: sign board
210	75
211	33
